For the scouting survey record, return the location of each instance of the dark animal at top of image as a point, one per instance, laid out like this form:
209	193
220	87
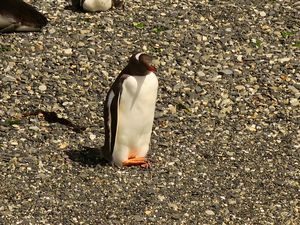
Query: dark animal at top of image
18	16
129	113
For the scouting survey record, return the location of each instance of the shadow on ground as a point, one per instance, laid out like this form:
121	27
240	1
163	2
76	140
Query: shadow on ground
52	117
87	156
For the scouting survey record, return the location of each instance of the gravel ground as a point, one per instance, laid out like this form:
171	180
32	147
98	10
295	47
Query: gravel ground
225	144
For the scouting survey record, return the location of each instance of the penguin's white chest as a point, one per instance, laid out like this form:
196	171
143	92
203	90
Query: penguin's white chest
135	117
97	5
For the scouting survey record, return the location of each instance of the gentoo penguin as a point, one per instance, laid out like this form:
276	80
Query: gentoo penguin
129	113
16	15
96	5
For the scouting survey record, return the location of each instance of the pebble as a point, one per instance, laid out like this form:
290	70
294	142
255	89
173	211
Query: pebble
138	218
240	87
68	51
148	212
247	169
226	71
63	145
262	13
294	90
81	44
92	136
215	78
8	78
14	143
42	87
86	31
67	103
239	58
251	127
52	31
209	212
294	102
161	198
282	60
297	85
200	73
231	202
172	109
230	153
152	219
173	206
176	216
297	5
35	128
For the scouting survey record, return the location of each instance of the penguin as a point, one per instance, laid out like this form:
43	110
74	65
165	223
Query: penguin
96	5
16	15
129	113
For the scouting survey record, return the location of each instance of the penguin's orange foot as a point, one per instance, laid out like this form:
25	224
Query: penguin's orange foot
139	161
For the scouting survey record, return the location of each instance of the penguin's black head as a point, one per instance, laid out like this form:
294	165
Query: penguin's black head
140	64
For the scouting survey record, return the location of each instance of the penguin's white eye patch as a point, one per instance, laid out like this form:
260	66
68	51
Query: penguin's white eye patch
137	56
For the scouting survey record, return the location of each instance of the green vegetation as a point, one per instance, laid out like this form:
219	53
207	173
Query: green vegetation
296	44
139	25
159	29
4	48
10	122
286	34
156	29
257	43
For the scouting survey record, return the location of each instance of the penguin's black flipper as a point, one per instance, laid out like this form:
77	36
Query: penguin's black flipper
111	123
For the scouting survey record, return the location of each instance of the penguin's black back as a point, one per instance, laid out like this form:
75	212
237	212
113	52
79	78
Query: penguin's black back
22	12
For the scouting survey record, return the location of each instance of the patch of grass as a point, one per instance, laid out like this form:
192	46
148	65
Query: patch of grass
296	44
286	34
139	25
4	48
159	50
155	49
159	29
10	122
257	43
156	29
183	106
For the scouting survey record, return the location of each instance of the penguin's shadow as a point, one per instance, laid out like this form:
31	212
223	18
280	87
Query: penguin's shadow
87	156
